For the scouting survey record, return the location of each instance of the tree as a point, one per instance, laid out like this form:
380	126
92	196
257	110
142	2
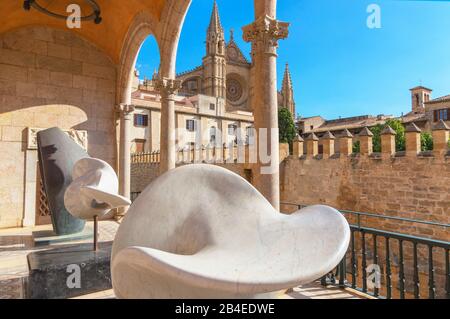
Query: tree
286	126
426	141
399	129
357	147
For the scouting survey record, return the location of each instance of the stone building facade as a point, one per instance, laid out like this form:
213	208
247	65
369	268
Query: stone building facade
216	96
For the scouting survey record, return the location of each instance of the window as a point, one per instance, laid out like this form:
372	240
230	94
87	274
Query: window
140	145
232	128
312	127
250	138
212	135
141	120
443	114
212	107
191	125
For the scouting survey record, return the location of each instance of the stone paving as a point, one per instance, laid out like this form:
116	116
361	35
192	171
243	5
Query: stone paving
17	243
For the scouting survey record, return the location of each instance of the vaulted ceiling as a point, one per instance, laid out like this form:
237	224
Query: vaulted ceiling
109	35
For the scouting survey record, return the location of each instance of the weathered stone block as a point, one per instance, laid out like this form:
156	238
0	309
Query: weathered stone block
38	76
7	87
61	79
13	73
59	51
98	71
58	64
84	82
12	134
26	89
17	58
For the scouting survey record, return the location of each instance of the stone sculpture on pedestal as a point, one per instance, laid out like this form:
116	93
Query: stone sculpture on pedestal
93	192
57	155
201	231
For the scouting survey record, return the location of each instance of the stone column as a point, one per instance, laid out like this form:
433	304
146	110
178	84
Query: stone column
264	34
366	140
298	146
388	141
126	121
346	143
440	138
167	88
413	143
312	145
328	145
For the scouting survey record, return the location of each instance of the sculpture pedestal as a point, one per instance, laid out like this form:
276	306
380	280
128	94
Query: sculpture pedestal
48	237
67	272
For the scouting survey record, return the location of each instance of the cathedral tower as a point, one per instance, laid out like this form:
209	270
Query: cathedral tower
287	92
214	63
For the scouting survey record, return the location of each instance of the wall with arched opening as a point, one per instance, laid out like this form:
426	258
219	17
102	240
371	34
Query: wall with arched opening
145	132
49	78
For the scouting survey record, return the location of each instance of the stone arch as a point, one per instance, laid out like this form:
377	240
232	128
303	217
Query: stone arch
173	16
142	26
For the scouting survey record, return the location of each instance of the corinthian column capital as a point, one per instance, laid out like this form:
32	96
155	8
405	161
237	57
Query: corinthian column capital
265	33
167	87
125	109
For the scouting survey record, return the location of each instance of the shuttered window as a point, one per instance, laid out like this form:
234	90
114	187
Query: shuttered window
141	120
442	114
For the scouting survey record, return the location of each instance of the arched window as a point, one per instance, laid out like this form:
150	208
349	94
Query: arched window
212	135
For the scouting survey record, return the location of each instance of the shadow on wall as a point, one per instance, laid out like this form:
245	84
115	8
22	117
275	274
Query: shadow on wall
54	78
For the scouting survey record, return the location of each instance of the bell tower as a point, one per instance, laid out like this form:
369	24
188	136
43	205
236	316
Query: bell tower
214	63
419	96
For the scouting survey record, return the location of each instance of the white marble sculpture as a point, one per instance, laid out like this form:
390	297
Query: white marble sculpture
202	231
94	190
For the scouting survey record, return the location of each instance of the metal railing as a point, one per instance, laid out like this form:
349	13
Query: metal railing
375	263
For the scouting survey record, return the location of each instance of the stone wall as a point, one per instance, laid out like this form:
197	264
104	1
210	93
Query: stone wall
412	187
49	78
142	174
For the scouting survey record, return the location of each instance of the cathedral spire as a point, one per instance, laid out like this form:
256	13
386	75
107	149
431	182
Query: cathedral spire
287	79
287	91
214	63
214	25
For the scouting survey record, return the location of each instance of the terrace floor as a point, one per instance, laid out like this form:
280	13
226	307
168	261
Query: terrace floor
17	243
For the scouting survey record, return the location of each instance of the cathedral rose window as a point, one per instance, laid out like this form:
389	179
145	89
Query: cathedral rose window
234	90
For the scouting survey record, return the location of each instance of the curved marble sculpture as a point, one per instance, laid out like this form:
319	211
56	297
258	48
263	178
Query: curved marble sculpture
94	190
202	231
57	155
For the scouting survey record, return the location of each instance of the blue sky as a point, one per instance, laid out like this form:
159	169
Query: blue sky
339	66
